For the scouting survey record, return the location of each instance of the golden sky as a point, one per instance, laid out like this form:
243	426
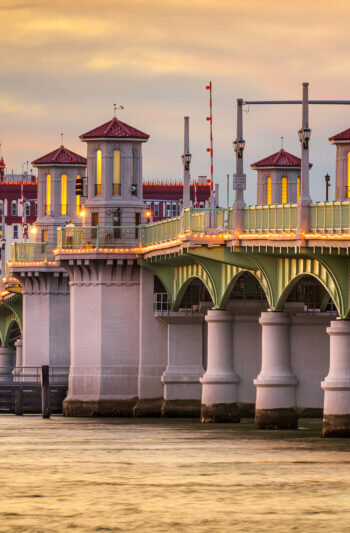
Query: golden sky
65	62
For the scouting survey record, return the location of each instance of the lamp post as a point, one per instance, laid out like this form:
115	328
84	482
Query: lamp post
239	178
327	180
186	161
82	214
304	135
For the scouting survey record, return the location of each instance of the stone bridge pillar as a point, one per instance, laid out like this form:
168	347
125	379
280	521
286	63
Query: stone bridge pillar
220	382
45	315
182	388
103	378
19	360
336	386
276	383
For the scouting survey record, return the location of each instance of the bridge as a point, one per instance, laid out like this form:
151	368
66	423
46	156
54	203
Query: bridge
217	313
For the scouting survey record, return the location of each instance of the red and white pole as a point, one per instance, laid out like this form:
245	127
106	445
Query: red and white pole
211	149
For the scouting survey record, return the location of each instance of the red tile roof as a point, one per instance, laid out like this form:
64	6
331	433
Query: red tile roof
342	136
61	156
114	129
279	159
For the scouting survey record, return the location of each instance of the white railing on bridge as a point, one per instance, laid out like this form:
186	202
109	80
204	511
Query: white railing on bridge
270	218
330	217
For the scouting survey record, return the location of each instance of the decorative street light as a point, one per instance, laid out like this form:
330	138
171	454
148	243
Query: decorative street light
304	137
327	180
186	160
238	146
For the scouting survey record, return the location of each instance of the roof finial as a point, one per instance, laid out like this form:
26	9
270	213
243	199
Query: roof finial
61	139
282	143
117	107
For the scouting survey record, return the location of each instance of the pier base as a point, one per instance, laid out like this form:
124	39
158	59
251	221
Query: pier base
336	386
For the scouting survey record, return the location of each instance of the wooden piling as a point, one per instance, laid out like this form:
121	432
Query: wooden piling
45	391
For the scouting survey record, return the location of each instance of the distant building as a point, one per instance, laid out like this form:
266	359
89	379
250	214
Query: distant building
164	198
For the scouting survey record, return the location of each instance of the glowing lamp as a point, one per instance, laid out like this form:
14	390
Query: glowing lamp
82	213
208	149
148	214
33	230
208	87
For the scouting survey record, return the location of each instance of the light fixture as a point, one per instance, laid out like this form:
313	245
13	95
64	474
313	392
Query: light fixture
238	146
82	213
33	230
186	160
304	135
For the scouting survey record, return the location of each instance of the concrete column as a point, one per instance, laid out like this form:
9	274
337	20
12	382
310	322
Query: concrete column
6	363
238	206
186	186
181	379
19	360
104	335
304	200
45	315
336	386
153	352
220	382
275	394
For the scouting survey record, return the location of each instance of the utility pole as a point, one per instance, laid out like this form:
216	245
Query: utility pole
186	160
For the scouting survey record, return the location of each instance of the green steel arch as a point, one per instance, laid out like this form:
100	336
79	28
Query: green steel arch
182	277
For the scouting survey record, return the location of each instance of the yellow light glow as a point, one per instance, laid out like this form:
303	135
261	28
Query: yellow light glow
78	199
63	194
268	192
148	214
327	236
283	235
33	230
98	167
82	213
284	190
48	193
116	172
298	188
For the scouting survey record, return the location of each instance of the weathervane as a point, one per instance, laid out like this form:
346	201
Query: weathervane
282	142
117	107
61	139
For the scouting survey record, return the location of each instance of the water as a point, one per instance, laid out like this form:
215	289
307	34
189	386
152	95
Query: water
156	476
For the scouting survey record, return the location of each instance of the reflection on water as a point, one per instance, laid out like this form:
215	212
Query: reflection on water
170	475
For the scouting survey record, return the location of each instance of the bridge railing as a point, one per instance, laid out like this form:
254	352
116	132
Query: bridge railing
23	252
90	237
330	217
270	218
164	230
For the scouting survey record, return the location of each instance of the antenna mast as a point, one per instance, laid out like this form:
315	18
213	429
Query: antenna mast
211	149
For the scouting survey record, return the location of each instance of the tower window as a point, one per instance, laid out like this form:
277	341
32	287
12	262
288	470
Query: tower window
116	172
98	172
268	191
63	194
284	190
348	183
298	188
134	178
77	196
48	194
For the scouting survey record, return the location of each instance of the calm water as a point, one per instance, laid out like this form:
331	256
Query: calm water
169	475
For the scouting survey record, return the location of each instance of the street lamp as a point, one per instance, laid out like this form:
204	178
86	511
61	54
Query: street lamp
82	214
33	231
327	180
238	146
186	160
304	137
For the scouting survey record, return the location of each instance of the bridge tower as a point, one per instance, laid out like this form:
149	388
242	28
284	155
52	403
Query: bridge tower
57	203
278	178
114	186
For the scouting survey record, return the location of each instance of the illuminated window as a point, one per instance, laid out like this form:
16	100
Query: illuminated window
78	199
298	188
116	172
63	194
284	190
98	172
48	193
268	192
348	187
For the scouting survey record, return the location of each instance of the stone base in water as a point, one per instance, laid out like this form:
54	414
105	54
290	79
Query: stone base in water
148	408
116	408
220	413
336	426
181	408
285	418
246	410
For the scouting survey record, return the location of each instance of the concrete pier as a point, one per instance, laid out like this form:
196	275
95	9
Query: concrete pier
220	382
275	385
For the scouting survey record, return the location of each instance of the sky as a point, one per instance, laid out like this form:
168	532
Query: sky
64	63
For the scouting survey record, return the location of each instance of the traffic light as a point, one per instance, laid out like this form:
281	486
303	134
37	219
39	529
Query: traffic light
79	186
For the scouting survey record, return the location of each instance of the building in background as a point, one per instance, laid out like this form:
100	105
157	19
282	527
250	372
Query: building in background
164	198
